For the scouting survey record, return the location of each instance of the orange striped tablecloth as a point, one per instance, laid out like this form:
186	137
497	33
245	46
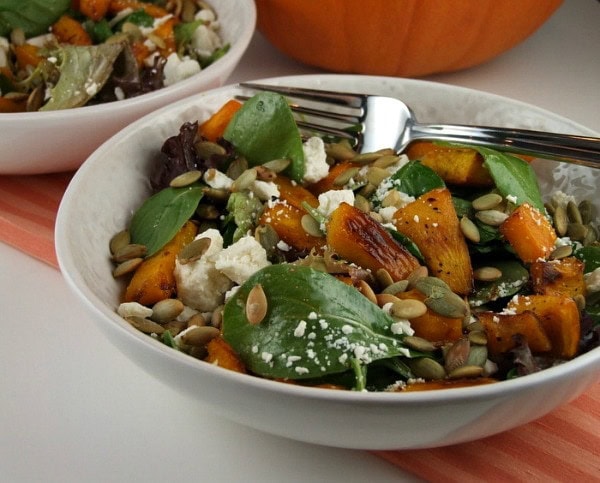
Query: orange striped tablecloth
562	446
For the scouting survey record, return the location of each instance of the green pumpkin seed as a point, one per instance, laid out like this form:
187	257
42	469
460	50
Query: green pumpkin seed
562	251
256	305
277	165
577	231
366	158
416	275
418	344
194	250
376	175
408	309
487	274
362	203
448	304
430	286
491	217
185	179
244	180
311	226
427	368
345	177
477	356
477	337
487	201
396	287
206	149
237	167
383	277
386	161
469	229
586	209
126	267
561	220
466	372
119	241
591	236
199	336
165	310
457	354
340	152
144	325
132	250
573	212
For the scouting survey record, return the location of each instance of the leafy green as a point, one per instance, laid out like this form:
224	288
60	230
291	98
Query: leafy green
413	178
83	72
315	325
99	31
513	279
513	177
32	16
243	211
264	129
589	255
161	216
184	31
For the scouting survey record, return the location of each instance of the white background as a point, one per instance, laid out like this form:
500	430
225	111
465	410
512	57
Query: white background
72	408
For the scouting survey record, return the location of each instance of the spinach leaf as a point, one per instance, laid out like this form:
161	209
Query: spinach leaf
264	129
589	255
413	178
513	177
32	16
83	72
514	277
315	325
161	216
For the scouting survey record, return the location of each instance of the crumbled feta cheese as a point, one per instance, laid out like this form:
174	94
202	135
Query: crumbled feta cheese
119	94
199	284
205	41
387	213
217	180
283	246
300	329
134	309
42	40
177	69
330	200
265	190
592	280
242	259
315	160
511	198
206	15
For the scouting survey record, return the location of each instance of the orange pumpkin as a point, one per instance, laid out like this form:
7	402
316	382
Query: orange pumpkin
407	38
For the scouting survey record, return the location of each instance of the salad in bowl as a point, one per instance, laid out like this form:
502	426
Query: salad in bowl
278	253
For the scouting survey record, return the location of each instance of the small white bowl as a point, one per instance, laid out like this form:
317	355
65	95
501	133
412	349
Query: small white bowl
114	181
54	141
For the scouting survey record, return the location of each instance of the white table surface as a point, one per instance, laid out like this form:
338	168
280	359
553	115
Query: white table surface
73	409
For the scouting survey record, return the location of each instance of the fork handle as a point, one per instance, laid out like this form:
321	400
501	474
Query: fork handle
582	150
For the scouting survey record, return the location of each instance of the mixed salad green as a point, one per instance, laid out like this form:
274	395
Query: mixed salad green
325	319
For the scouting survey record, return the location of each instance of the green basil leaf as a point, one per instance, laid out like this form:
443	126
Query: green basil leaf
32	16
83	72
414	179
513	177
162	215
315	325
264	129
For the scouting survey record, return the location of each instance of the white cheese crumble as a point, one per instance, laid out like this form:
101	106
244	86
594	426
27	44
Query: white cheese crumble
242	259
315	160
265	190
205	41
199	283
217	180
176	69
592	280
330	200
134	309
300	329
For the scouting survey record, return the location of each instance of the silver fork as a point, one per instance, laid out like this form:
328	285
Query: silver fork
374	122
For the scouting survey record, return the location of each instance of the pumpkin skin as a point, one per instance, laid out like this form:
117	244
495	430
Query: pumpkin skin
405	38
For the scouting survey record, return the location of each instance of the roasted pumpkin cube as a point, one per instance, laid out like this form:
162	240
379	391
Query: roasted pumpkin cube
222	354
329	182
529	233
558	277
294	193
457	166
357	237
432	224
559	317
500	329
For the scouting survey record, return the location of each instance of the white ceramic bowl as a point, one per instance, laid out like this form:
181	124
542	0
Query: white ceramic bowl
48	142
113	182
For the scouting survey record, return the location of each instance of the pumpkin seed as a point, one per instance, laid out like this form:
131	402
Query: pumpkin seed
386	161
427	368
487	274
362	203
561	220
477	337
256	305
118	241
393	198
396	287
477	356
591	236
216	318
491	217
311	226
265	174
577	231
430	286
206	149
550	208
487	202
386	298
573	212
466	371
36	98
244	180
365	289
236	167
376	175
175	326
367	190
345	176
196	319
366	158
441	299
474	326
267	237
207	212
416	275
132	250
383	277
165	310
194	250
469	229
185	179
339	151
457	354
562	251
586	209
128	266
408	309
199	335
418	344
144	325
277	165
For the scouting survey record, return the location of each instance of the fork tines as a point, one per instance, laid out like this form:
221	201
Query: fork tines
333	113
